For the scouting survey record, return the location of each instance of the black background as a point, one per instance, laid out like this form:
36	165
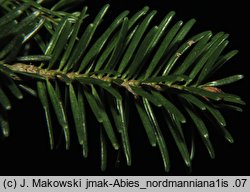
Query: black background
26	151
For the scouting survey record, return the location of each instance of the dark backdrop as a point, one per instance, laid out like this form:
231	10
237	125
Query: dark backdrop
26	151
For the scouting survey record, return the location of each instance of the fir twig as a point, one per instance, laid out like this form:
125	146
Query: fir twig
157	66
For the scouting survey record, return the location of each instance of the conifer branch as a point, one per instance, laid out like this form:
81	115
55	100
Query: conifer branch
130	67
